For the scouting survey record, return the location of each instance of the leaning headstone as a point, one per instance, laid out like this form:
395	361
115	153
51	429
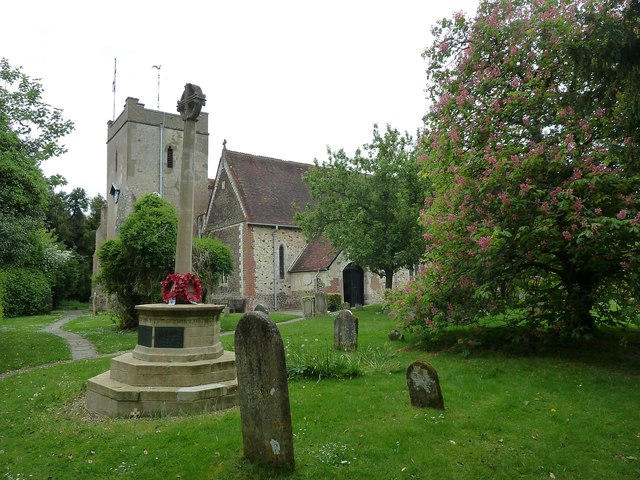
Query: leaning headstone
321	303
261	308
345	331
424	386
263	392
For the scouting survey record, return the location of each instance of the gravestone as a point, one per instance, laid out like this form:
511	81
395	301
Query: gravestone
345	331
263	391
261	308
308	306
321	303
395	335
424	386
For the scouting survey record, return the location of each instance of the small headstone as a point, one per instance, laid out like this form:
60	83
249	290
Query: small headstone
261	308
358	306
424	386
263	392
395	335
345	331
308	306
321	303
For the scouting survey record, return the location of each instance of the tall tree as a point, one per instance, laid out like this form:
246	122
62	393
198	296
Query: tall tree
38	125
535	212
368	205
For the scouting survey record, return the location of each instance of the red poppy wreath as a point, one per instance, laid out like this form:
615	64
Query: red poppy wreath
181	288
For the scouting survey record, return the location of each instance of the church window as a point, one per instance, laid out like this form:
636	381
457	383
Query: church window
281	262
169	157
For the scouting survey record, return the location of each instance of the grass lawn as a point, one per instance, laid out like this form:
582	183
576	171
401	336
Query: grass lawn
23	344
564	412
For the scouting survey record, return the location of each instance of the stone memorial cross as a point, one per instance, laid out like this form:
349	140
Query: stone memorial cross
189	107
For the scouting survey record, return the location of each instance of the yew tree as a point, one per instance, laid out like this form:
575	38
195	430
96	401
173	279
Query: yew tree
532	145
368	205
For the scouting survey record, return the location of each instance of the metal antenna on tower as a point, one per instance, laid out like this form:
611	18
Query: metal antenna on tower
158	67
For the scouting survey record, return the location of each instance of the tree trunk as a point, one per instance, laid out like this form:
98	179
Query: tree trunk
578	309
388	279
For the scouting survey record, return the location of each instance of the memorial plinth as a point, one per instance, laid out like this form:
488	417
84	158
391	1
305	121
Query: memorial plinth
178	366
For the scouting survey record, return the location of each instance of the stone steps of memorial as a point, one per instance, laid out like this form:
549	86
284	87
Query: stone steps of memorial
130	370
115	398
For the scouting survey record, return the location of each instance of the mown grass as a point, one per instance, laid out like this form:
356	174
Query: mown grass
563	412
24	344
101	330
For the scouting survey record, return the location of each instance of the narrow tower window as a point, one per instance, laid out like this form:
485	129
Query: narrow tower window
169	157
281	262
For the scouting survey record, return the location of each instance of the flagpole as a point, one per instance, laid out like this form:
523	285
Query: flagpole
114	89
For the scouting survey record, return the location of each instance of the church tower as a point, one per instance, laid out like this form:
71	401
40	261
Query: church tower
144	148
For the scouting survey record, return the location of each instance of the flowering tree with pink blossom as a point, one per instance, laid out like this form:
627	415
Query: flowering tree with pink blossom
532	146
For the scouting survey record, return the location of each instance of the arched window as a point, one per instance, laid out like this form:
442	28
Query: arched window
281	262
169	157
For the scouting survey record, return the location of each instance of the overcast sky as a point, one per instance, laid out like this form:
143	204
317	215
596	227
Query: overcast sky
283	79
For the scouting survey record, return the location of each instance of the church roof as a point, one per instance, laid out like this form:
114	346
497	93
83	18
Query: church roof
317	255
268	187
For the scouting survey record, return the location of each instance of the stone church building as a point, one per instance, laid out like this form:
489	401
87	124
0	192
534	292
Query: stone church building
249	206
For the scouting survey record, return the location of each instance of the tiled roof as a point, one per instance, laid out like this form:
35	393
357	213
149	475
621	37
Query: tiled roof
317	255
267	187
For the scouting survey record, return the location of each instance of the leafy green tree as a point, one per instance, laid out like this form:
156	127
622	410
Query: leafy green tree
211	260
133	265
30	131
65	215
368	205
38	125
534	162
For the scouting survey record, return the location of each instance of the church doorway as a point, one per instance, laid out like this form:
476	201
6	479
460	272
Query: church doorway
353	282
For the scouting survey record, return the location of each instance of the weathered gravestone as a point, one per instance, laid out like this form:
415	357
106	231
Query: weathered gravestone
345	331
308	306
424	386
261	308
395	335
263	391
321	303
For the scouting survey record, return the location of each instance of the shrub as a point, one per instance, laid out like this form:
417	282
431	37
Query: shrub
334	302
24	292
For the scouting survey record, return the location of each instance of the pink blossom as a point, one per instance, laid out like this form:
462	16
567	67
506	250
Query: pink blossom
621	214
544	207
597	211
525	187
577	174
571	142
471	228
577	205
484	242
567	235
